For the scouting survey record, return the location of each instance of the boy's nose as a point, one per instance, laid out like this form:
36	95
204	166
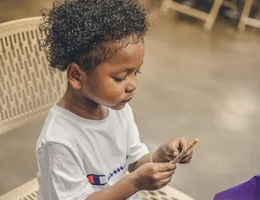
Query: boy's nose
131	87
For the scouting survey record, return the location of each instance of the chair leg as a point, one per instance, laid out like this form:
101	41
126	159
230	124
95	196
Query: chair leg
212	15
245	15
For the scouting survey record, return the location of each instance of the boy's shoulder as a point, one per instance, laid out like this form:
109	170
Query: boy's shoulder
60	123
58	126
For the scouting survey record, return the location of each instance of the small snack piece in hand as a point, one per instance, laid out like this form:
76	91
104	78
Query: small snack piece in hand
182	154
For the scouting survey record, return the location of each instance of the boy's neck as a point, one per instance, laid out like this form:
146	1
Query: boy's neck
82	107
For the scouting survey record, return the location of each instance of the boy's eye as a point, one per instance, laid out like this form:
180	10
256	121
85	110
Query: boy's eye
119	79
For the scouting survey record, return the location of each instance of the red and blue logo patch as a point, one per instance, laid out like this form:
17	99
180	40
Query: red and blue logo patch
96	179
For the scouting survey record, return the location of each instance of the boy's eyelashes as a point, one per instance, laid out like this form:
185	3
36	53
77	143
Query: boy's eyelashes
119	79
138	72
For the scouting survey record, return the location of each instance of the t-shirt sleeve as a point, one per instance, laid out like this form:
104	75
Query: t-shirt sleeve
137	149
60	175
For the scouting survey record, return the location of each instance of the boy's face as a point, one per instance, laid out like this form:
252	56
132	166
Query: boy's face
113	83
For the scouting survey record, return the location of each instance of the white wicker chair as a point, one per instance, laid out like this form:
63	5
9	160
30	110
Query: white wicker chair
28	191
28	89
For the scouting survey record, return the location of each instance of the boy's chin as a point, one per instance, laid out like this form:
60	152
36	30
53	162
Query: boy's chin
119	106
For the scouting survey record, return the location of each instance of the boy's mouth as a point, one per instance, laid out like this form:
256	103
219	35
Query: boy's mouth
125	101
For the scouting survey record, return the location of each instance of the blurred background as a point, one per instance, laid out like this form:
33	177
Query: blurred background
198	80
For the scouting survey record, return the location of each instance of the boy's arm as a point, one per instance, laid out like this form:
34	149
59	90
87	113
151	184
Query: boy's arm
156	156
165	153
62	178
150	176
121	190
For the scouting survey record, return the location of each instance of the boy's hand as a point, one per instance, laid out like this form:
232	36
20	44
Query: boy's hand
152	176
171	149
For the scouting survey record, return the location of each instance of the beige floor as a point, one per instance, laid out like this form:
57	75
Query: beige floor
193	84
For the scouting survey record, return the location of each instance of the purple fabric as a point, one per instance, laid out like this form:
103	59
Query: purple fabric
249	190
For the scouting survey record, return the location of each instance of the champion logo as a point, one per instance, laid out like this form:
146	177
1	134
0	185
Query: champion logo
96	179
115	172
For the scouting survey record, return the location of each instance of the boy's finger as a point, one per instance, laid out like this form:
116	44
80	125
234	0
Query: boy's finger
175	153
165	181
167	174
173	150
186	159
166	167
188	154
170	157
183	143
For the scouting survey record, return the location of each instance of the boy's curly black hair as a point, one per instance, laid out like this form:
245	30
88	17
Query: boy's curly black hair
79	30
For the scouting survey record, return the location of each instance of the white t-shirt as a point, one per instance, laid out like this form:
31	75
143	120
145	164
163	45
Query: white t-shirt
77	156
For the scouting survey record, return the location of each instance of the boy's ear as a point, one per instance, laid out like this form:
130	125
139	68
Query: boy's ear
74	75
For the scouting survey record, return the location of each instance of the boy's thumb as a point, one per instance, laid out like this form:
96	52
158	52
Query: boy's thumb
175	153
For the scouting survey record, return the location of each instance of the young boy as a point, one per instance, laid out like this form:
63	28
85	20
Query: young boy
90	139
